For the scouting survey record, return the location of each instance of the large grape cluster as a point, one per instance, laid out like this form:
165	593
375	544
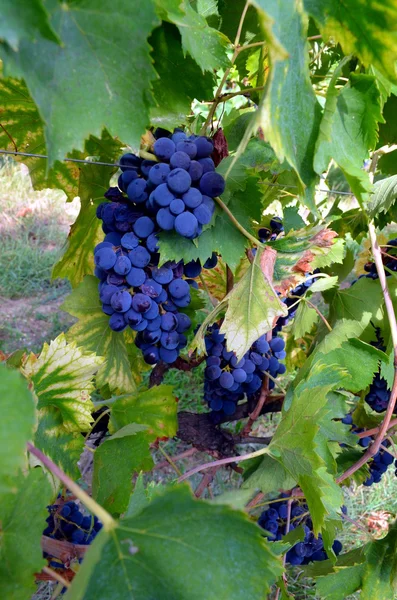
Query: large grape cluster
274	521
178	190
67	523
227	380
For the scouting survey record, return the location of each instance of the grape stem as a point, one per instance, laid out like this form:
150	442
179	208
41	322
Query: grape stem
233	219
218	92
107	520
56	576
170	461
148	155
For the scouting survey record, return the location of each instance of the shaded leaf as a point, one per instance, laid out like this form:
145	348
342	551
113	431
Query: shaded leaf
168	541
206	45
29	22
62	377
22	516
351	131
290	113
174	95
78	258
98	94
92	332
384	196
363	28
16	423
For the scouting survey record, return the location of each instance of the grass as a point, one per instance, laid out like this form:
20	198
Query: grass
33	230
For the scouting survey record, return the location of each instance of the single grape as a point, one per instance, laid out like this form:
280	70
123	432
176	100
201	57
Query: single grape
207	165
212	184
105	258
141	302
169	322
151	355
143	227
164	148
179	181
184	322
192	198
168	356
163	196
177	206
129	241
202	214
132	317
170	340
158	173
125	179
186	224
188	147
121	301
139	257
165	219
192	268
136	191
152	243
204	147
178	288
211	262
180	160
135	277
122	265
162	275
195	170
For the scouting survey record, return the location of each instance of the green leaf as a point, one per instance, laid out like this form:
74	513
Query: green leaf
290	113
384	196
206	45
139	498
174	95
91	81
360	303
252	306
86	232
324	283
25	129
16	423
300	444
146	417
163	553
350	129
22	516
92	333
29	22
156	408
363	28
374	574
292	219
62	377
270	476
115	462
304	320
64	447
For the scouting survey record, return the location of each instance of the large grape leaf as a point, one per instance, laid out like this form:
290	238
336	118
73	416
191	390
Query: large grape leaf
16	423
289	112
118	459
115	462
163	552
349	129
300	443
174	95
22	516
90	82
86	232
253	306
92	332
22	130
364	28
27	22
384	196
64	447
62	376
206	45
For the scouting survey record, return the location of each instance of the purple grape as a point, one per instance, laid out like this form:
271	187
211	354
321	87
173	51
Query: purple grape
177	206
192	198
158	173
179	181
105	258
186	225
165	219
212	184
162	195
164	148
188	147
178	288
135	277
180	160
143	227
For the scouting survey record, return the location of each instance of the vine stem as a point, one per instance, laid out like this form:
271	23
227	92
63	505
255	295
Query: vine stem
107	520
233	219
218	92
320	314
382	430
170	461
220	462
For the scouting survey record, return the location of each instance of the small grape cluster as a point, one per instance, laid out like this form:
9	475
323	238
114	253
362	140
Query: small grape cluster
67	523
274	521
381	461
378	395
178	190
227	380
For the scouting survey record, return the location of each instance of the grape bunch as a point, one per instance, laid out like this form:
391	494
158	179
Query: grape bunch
67	523
274	521
378	395
178	190
227	380
381	461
